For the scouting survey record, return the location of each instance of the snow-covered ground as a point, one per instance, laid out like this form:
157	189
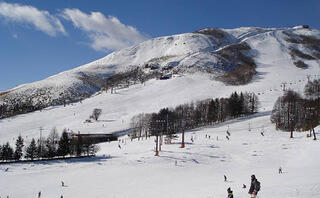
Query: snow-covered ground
134	171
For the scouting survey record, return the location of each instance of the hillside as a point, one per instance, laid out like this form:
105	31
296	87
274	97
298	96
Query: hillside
201	68
231	56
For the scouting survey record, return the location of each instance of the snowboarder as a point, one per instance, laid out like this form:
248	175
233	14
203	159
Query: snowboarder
254	187
62	183
230	193
225	178
280	170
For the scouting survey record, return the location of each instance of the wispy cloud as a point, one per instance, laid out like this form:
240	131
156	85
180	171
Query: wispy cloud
105	33
40	19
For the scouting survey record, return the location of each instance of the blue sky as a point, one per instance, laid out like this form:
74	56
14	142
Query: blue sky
40	38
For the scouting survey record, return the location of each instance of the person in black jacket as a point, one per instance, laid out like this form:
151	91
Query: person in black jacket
254	187
230	193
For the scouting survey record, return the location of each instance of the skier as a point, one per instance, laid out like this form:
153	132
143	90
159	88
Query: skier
280	170
225	178
244	186
62	183
39	194
230	193
254	187
119	146
227	137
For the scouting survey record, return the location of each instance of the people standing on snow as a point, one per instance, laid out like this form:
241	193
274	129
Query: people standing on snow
230	193
225	178
254	187
39	194
280	170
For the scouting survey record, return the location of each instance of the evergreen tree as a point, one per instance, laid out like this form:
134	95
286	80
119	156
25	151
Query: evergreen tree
1	154
7	152
31	150
19	145
64	144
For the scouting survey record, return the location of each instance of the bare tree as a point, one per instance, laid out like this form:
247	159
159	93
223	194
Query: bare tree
96	113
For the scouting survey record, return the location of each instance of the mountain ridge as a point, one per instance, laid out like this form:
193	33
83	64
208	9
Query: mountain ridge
229	55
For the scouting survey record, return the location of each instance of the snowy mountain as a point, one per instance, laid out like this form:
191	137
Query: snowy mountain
232	56
210	63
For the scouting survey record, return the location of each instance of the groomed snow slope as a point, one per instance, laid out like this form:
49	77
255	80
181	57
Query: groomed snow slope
133	171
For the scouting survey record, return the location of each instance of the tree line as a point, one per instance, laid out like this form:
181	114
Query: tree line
293	112
170	121
53	146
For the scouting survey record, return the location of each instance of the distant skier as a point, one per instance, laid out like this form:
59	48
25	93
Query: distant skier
206	135
244	186
217	138
230	193
119	146
39	194
209	137
262	133
280	170
225	178
228	133
228	137
62	183
254	187
176	163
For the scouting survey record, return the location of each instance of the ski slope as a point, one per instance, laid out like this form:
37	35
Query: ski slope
134	171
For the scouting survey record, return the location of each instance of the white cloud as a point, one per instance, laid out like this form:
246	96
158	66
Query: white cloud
40	19
105	33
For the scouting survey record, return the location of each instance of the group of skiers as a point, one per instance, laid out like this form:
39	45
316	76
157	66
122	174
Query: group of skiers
253	190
